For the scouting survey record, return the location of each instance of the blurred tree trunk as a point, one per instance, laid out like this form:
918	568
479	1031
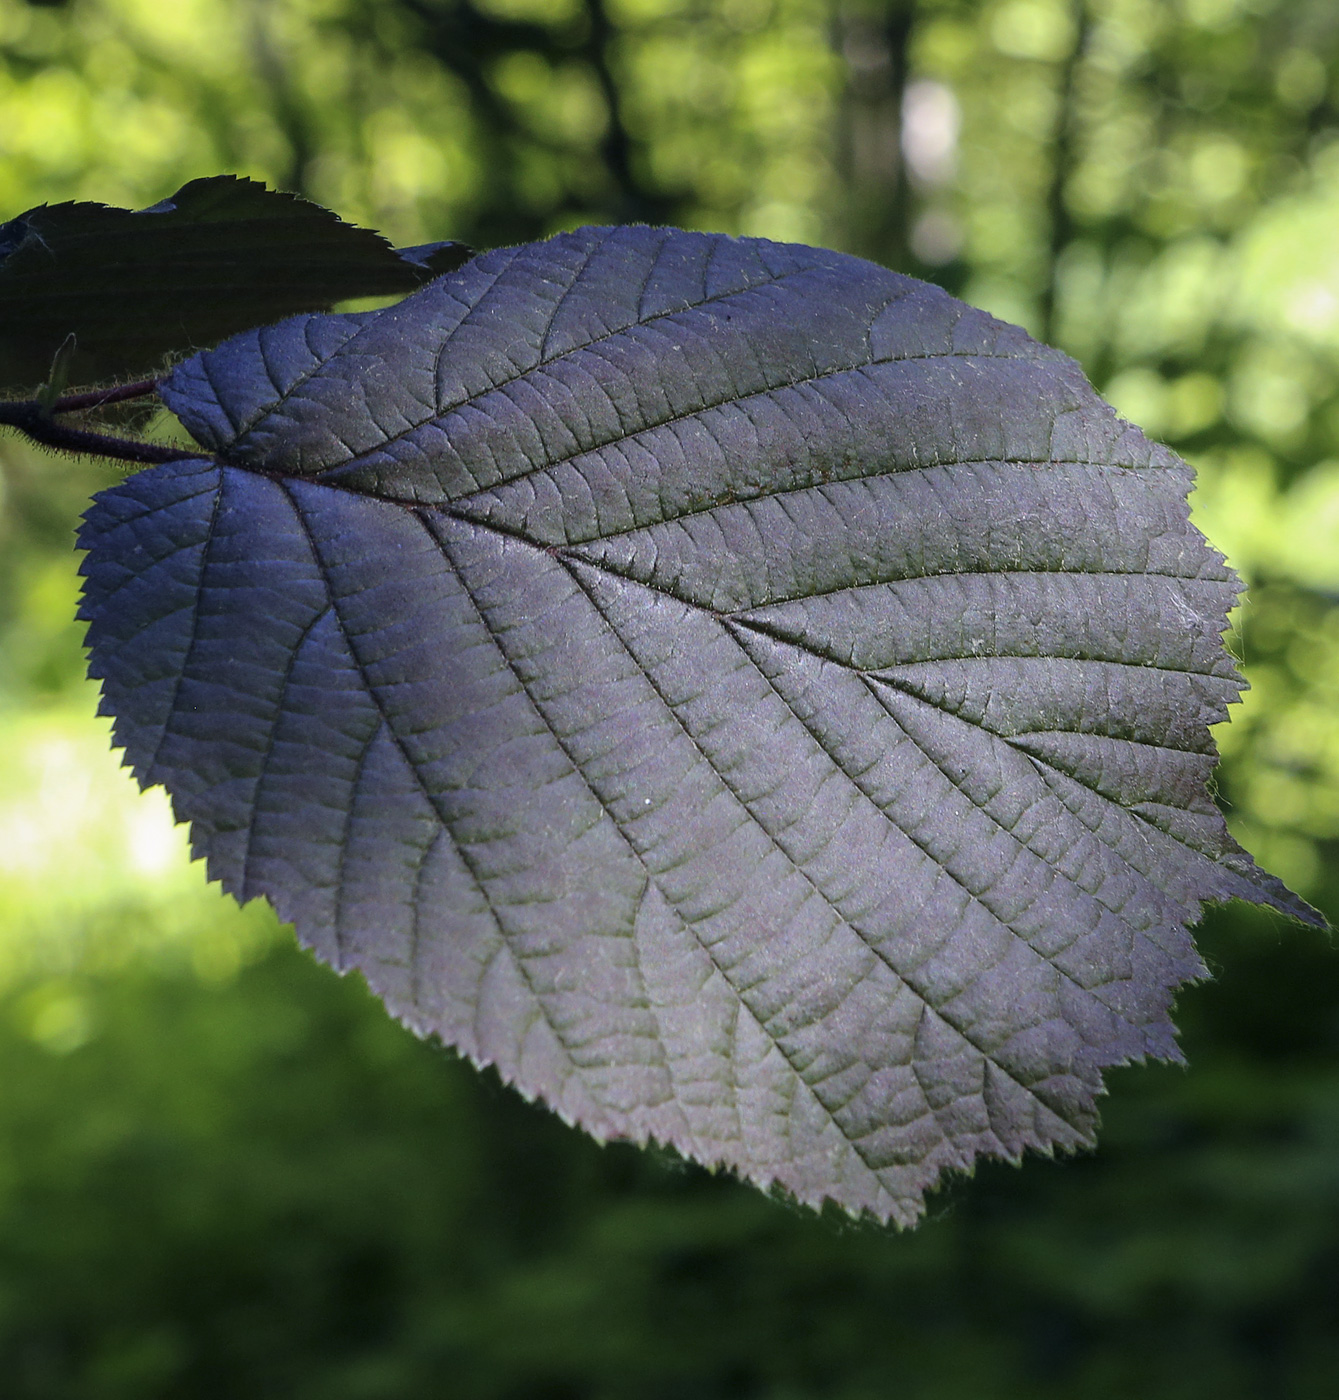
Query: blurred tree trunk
632	198
873	40
610	182
286	107
1060	224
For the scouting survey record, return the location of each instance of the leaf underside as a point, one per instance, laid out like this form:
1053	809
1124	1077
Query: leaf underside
220	255
751	698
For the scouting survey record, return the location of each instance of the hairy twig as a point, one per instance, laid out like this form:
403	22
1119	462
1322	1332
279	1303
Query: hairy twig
37	422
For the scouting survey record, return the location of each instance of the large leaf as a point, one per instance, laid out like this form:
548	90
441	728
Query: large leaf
752	699
220	255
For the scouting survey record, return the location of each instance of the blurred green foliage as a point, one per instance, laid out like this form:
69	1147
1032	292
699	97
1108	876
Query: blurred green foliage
267	1189
223	1171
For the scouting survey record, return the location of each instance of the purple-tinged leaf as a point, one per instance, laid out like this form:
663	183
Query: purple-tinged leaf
135	286
752	699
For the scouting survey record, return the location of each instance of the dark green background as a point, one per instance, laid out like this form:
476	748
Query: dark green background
224	1172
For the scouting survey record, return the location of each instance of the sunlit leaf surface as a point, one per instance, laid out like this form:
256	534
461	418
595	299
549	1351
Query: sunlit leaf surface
751	698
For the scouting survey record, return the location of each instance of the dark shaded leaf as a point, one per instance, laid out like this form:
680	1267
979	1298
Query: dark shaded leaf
219	256
751	698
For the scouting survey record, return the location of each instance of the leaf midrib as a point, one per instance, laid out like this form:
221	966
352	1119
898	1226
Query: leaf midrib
728	621
564	553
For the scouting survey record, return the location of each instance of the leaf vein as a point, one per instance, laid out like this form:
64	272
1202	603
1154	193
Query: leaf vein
466	861
823	896
206	551
271	739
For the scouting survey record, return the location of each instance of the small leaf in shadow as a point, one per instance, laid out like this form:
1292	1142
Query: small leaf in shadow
221	255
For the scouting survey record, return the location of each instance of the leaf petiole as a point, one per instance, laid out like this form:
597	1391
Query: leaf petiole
36	421
98	398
